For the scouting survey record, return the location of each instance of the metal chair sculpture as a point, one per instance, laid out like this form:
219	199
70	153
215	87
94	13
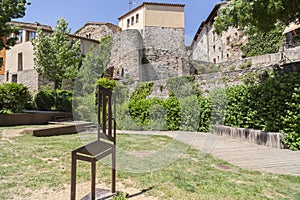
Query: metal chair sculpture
103	146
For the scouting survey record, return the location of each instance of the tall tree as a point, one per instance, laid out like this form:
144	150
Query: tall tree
10	9
93	67
57	57
259	15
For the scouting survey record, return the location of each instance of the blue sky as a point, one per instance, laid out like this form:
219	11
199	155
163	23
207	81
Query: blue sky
78	12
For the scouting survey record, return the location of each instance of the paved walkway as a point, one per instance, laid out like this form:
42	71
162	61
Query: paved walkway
239	153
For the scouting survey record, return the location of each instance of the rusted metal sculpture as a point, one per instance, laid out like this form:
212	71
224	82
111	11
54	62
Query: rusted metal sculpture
103	146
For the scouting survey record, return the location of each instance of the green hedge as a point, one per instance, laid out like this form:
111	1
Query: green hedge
271	105
47	100
174	113
13	97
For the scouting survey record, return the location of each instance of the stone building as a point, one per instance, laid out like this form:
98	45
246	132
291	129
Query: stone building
157	46
97	30
19	62
150	14
210	47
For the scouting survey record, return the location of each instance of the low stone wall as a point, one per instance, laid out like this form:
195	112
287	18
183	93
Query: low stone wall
31	118
259	137
263	61
2	79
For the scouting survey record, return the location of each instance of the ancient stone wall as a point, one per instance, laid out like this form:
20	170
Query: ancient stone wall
209	81
289	55
164	53
126	54
32	80
2	79
97	30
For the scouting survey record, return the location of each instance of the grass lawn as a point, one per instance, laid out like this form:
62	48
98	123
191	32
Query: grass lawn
28	163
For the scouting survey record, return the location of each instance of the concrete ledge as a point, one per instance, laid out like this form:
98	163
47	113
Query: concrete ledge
59	129
32	118
259	137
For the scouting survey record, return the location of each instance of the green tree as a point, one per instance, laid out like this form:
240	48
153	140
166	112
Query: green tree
262	21
257	15
10	9
260	43
93	67
57	57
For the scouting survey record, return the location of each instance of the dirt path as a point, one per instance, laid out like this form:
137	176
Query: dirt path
83	190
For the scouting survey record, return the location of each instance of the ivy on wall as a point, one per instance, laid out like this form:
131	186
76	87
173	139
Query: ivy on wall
260	43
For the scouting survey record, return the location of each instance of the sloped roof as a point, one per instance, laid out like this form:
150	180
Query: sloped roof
211	16
291	27
45	28
150	3
31	26
115	27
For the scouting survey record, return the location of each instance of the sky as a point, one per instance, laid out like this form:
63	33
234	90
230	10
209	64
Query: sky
78	12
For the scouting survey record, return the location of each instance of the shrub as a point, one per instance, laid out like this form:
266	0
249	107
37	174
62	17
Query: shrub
45	99
142	91
291	122
204	114
231	68
190	113
107	83
13	97
64	100
173	113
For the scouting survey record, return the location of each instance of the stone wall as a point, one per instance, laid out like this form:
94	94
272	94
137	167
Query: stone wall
157	56
126	54
164	56
259	137
289	55
97	30
2	79
31	79
209	81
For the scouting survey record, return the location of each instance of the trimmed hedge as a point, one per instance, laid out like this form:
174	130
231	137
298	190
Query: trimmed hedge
47	100
13	97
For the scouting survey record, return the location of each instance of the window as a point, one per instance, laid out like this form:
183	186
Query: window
20	37
1	62
30	35
137	18
14	78
228	40
128	23
20	61
214	47
7	76
132	20
88	35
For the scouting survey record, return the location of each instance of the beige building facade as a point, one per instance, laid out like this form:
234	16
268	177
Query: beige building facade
150	14
19	62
